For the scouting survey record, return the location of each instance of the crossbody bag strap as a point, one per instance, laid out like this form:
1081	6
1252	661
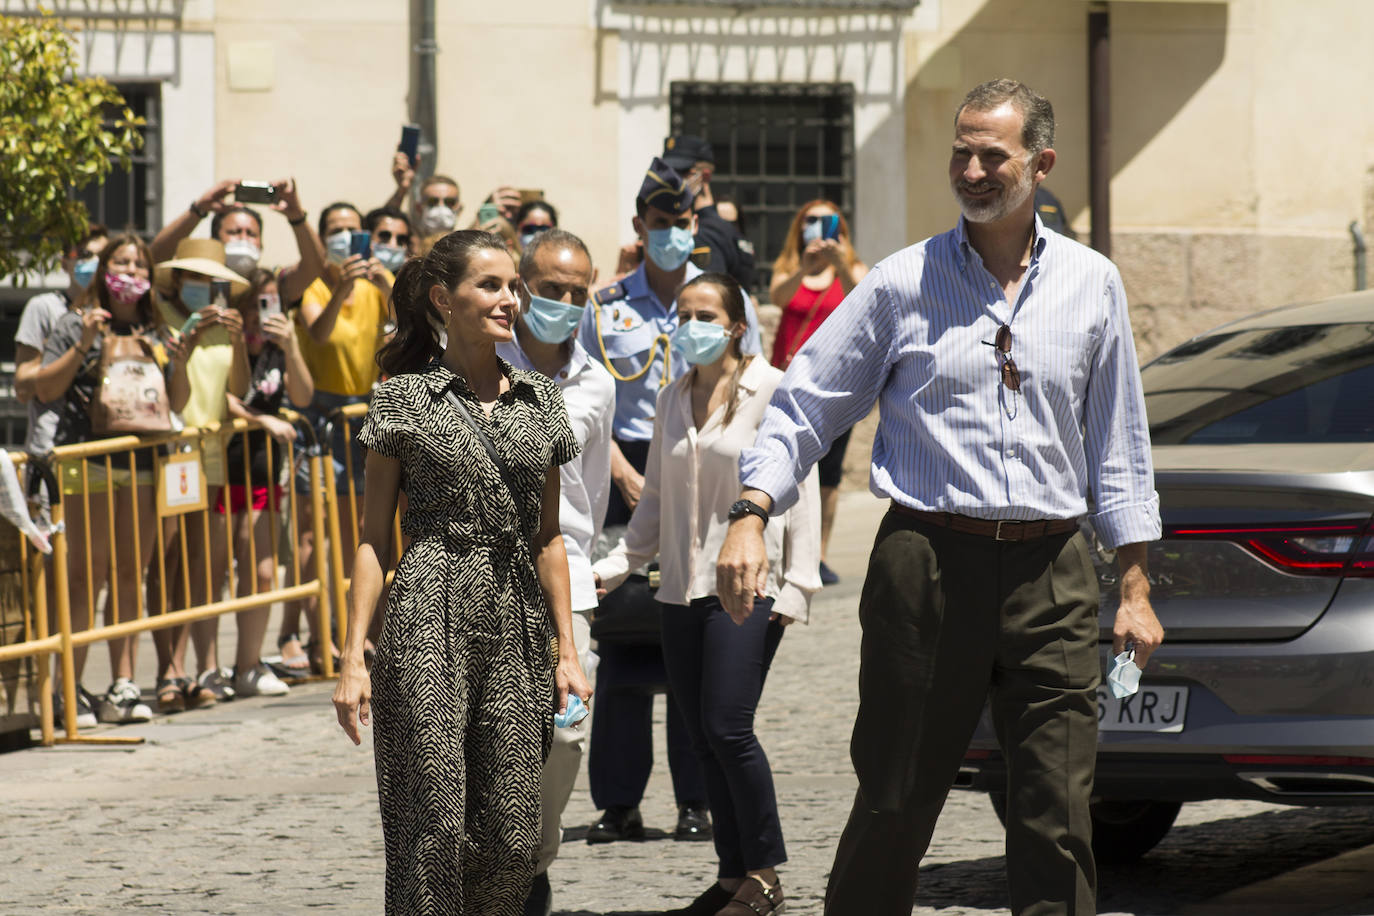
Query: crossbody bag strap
495	456
806	325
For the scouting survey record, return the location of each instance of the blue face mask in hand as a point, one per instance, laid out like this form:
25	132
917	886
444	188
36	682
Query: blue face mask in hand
390	257
83	271
700	342
337	246
573	713
669	248
1124	678
550	320
195	294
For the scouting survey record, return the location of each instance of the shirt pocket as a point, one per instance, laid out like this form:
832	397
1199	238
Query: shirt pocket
1062	361
619	340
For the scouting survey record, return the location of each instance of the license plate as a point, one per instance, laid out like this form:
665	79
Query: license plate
1152	709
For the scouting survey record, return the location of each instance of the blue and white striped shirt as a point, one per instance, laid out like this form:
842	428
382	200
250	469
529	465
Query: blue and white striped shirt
951	437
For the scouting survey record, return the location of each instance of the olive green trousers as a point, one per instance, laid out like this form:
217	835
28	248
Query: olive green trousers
950	621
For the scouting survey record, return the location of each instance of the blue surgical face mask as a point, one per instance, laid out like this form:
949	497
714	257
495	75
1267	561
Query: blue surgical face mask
669	248
550	320
337	246
83	271
700	342
195	294
391	257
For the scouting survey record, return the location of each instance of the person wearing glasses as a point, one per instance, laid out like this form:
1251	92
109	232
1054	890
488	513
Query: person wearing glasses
391	236
815	270
534	217
1001	356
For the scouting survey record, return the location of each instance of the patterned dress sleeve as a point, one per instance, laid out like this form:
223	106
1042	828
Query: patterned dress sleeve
561	438
384	427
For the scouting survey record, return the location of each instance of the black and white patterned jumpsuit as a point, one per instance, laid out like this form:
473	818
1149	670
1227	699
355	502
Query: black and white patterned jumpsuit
462	683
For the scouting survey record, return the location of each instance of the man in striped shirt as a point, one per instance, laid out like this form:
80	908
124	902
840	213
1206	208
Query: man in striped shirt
1001	357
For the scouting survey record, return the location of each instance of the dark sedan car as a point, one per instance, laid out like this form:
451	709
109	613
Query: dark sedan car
1263	440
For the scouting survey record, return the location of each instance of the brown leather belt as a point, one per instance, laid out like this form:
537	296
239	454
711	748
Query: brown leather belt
998	530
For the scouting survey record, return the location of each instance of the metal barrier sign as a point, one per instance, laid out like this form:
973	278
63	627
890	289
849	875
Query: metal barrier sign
180	484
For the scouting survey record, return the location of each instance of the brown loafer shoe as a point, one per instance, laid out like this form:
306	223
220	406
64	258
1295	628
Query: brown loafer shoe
754	898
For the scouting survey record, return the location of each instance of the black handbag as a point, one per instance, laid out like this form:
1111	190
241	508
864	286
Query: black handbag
630	615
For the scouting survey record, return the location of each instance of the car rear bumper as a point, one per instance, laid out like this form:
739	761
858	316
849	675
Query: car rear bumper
1198	777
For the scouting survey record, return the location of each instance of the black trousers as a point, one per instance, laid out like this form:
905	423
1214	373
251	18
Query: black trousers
949	621
717	670
620	756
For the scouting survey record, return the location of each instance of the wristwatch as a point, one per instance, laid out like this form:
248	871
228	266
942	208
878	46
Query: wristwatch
743	507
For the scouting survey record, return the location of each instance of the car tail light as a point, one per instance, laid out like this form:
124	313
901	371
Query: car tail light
977	755
1336	549
1297	760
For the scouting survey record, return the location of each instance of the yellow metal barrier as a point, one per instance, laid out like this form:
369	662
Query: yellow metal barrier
348	418
24	612
90	470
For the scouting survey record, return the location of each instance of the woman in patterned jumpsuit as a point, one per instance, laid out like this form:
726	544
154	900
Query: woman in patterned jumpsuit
467	673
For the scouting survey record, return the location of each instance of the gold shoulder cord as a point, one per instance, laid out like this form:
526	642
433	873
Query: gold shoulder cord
653	348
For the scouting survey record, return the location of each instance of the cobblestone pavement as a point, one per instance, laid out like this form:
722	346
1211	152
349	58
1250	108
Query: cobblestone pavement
263	806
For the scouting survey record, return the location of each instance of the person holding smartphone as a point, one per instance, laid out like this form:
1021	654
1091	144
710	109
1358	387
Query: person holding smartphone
716	669
193	292
239	228
816	269
342	320
278	373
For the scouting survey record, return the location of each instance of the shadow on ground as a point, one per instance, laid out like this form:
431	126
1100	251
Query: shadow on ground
1192	864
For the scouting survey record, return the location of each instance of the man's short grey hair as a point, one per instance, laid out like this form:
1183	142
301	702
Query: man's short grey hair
555	239
1037	114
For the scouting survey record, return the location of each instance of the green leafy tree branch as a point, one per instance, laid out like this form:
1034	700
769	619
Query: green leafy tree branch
56	135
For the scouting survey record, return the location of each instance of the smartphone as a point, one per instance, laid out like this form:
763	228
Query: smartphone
269	305
219	293
360	242
255	192
830	226
410	143
486	213
528	195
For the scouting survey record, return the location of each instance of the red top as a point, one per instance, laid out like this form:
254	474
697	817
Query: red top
793	329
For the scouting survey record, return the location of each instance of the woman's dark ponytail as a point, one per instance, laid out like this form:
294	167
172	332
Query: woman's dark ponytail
417	341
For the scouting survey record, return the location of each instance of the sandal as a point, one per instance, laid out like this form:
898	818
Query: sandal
170	697
291	667
755	898
198	696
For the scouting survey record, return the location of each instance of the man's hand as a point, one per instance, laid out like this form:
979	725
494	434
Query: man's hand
401	172
507	201
212	201
742	568
1135	617
288	200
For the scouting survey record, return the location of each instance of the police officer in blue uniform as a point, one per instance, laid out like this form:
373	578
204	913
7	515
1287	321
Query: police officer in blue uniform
627	327
726	248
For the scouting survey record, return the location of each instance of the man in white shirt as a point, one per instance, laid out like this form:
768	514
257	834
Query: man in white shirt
556	272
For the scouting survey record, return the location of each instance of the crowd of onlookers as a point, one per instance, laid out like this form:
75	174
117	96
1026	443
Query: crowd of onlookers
235	338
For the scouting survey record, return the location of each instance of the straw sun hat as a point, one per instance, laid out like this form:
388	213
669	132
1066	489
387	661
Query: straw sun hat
199	256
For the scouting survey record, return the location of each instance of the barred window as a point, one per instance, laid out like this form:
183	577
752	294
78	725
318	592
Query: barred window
777	145
132	198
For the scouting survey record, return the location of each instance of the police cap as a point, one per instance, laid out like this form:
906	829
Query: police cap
664	189
685	150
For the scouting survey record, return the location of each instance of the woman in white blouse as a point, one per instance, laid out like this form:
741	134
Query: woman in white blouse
717	669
